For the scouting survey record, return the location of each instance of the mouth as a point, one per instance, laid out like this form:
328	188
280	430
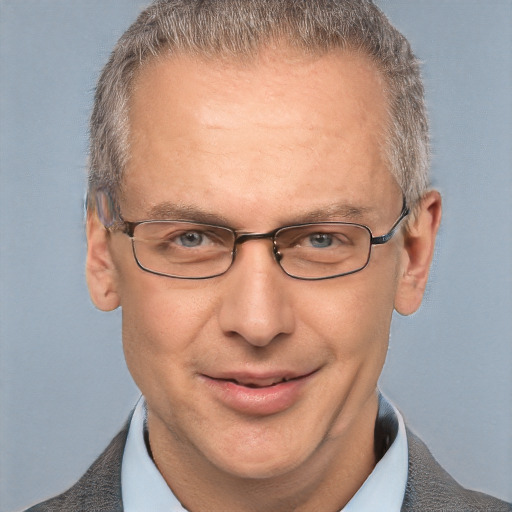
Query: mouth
255	383
258	393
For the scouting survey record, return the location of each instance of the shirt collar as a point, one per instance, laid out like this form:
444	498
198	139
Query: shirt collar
384	488
144	488
142	485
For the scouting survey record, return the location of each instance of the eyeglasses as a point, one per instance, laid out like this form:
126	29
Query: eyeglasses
194	250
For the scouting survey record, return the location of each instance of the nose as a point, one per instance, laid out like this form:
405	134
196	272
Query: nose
256	305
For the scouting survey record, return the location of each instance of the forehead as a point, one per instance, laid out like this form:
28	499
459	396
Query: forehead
276	87
283	125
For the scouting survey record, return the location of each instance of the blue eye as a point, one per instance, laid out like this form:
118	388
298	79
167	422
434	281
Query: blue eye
320	240
191	239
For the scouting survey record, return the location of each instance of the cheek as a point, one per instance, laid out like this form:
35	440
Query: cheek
351	317
353	308
161	309
162	321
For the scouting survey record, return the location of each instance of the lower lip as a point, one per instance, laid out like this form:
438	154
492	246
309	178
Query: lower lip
257	401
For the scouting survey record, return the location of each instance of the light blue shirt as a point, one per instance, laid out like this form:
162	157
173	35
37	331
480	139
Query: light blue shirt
144	489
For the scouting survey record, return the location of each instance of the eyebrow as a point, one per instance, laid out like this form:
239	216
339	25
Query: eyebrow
336	212
168	210
333	212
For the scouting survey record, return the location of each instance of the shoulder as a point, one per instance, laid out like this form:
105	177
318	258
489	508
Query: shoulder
99	489
430	488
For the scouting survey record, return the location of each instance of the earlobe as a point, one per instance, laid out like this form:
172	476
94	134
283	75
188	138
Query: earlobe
419	242
99	268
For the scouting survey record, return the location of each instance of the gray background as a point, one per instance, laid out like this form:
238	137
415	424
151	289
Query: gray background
64	387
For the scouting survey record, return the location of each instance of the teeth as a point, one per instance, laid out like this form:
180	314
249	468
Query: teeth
269	383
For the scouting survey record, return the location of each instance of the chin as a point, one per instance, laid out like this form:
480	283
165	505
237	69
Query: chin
271	468
259	460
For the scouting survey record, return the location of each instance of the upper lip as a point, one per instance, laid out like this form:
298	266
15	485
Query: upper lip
259	379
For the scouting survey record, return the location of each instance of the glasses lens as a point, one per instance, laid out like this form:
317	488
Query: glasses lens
317	251
183	249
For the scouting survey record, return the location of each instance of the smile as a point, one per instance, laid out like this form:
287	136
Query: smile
264	384
258	395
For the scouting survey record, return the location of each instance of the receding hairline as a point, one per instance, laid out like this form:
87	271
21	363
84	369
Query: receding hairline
283	47
235	30
265	53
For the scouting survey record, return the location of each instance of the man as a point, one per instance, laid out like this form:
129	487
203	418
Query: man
258	207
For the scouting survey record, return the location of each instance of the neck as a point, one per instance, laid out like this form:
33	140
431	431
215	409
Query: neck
326	481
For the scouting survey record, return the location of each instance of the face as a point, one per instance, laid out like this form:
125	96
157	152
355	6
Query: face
255	373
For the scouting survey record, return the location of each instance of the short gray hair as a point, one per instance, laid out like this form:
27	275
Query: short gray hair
238	29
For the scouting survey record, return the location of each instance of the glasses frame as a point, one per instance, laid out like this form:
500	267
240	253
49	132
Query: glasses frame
128	228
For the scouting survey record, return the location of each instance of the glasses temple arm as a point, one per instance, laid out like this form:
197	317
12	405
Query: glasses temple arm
379	240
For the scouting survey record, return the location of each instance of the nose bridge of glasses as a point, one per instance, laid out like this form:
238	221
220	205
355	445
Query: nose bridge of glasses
246	237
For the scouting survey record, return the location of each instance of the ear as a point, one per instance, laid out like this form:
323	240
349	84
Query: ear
418	250
99	268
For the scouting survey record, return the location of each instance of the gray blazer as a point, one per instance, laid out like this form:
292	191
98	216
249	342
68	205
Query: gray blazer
429	487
